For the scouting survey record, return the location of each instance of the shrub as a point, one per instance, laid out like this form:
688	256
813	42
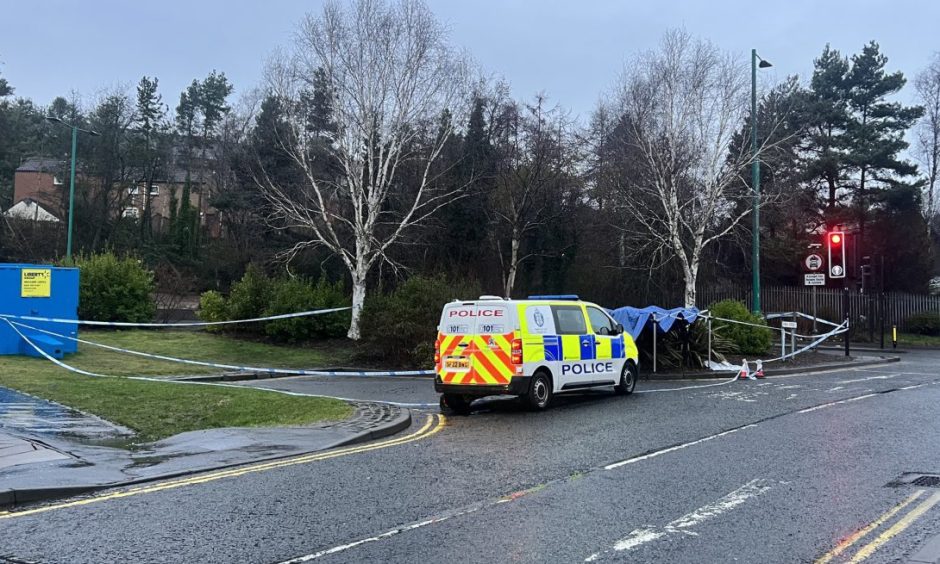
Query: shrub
249	296
925	323
401	327
114	289
212	307
746	338
291	295
669	346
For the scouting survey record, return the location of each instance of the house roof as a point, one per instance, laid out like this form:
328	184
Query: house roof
29	208
41	164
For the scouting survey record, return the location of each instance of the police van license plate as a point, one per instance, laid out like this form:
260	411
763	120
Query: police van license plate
457	363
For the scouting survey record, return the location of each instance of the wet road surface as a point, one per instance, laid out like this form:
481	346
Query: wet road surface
782	470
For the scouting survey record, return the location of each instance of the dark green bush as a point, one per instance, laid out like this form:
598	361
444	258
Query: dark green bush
669	346
249	296
212	307
257	295
114	289
925	323
291	295
746	339
401	327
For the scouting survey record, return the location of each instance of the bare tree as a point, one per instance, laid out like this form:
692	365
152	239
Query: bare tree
928	131
533	157
395	91
681	106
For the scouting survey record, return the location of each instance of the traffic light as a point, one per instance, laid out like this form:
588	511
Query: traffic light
835	242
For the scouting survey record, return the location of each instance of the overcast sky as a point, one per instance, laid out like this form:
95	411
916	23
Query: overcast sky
572	51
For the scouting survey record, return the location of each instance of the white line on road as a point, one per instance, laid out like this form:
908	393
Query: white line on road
832	403
883	377
385	535
639	537
654	454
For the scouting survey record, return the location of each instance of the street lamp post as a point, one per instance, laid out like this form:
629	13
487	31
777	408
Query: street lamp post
75	130
755	181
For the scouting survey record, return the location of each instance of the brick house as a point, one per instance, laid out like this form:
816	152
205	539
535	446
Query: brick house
44	181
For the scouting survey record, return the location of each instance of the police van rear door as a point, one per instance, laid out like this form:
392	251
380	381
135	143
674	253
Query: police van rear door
474	344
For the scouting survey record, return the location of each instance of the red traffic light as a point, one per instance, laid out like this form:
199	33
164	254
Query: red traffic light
835	238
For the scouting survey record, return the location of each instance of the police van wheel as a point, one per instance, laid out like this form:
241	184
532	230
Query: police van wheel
540	391
454	403
627	379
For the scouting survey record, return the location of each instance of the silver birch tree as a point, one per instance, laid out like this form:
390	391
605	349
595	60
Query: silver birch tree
682	105
928	132
395	90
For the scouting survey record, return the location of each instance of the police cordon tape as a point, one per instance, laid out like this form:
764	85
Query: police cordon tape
304	372
178	324
61	364
239	368
736	370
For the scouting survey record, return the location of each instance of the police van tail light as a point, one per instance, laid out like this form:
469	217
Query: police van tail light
437	355
516	356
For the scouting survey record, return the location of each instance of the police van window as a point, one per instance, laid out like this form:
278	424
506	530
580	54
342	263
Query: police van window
601	324
470	319
569	320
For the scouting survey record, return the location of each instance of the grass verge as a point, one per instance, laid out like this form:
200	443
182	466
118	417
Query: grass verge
156	410
905	339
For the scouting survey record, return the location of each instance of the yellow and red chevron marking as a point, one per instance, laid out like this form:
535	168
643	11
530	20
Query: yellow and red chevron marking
490	358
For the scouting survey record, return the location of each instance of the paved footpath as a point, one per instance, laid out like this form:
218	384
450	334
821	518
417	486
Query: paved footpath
48	450
801	468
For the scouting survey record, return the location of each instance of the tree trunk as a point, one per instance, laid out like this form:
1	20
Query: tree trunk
691	276
862	211
358	299
513	262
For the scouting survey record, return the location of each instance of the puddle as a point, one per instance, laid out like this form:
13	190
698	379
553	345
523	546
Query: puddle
22	413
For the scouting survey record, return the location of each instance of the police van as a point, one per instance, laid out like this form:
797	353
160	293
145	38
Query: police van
533	348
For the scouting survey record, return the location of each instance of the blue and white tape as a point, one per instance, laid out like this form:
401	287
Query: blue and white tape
239	368
179	324
220	384
48	356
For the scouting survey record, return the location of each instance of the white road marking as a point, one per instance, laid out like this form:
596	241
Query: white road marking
836	389
654	454
639	537
883	377
832	403
344	547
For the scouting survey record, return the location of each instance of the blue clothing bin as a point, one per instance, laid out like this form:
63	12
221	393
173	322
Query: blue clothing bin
40	291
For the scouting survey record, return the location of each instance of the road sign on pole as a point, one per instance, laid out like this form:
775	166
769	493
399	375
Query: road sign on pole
814	279
813	262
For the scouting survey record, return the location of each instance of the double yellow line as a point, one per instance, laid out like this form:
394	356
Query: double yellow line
902	523
432	425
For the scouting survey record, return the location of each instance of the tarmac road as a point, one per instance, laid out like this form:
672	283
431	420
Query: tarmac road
781	470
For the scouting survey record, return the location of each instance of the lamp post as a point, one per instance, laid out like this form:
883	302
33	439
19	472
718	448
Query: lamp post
75	130
755	181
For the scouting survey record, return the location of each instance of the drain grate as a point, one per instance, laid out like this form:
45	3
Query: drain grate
916	479
927	482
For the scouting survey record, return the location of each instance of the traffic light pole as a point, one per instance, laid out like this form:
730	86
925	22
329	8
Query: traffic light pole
845	319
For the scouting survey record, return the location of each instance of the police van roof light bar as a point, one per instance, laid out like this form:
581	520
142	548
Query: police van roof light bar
556	297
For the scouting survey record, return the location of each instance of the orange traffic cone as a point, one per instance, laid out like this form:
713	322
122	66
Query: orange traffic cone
745	372
759	370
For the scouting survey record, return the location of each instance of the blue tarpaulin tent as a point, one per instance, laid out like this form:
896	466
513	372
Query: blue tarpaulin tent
634	319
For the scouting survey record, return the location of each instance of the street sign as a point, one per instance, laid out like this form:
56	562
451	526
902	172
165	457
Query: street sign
813	262
788	324
815	279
